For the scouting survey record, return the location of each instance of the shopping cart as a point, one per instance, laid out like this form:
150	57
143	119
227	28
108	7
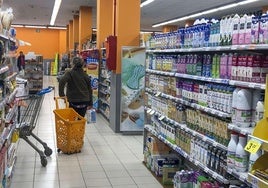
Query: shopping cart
28	110
70	128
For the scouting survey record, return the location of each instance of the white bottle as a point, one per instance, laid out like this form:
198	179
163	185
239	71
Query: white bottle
234	104
241	156
259	111
231	149
242	27
256	95
248	29
243	108
236	26
252	158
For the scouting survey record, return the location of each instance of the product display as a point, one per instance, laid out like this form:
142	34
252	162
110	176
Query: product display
204	106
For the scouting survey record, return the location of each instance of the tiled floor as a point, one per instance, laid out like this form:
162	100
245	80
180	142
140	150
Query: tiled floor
107	159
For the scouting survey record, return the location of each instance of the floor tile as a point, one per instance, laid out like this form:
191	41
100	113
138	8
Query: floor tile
46	184
122	181
21	184
97	182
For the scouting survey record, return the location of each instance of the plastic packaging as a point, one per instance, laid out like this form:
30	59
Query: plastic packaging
243	108
234	104
231	149
252	158
241	156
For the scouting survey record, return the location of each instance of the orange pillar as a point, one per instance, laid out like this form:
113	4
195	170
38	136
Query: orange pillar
127	26
67	38
62	41
76	31
85	25
71	36
104	21
169	28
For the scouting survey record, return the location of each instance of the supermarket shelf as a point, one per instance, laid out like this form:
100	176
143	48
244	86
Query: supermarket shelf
193	105
104	115
186	129
264	143
209	79
241	130
202	78
104	92
242	176
257	182
104	101
103	84
165	73
216	48
247	84
184	154
4	69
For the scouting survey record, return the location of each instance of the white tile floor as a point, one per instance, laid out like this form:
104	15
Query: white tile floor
107	159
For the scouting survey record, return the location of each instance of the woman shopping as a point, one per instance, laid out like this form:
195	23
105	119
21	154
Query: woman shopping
78	87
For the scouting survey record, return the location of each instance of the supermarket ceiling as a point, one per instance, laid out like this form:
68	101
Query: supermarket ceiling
38	12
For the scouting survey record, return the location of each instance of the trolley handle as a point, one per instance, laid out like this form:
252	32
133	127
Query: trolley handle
45	90
57	101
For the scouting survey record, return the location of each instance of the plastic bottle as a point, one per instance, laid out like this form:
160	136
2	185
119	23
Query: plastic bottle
234	104
241	156
256	95
263	32
242	27
248	29
252	158
243	108
231	149
235	35
255	27
259	110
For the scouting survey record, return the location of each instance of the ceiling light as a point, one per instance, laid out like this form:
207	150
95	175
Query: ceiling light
55	11
14	25
205	12
56	27
146	3
35	26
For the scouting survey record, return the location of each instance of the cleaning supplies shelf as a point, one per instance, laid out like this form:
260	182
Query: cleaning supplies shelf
241	130
193	105
184	154
186	129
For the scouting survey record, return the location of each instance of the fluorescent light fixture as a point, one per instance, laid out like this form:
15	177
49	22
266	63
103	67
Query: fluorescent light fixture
55	11
205	12
146	3
15	25
56	27
35	26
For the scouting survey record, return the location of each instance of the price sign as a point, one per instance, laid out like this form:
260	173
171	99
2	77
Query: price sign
252	146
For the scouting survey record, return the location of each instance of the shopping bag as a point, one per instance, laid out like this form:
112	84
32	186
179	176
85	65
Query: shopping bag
91	116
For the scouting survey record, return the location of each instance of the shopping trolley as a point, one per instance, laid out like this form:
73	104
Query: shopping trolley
28	110
70	128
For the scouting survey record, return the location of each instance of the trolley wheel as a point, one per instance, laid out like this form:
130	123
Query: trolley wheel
58	150
48	151
43	161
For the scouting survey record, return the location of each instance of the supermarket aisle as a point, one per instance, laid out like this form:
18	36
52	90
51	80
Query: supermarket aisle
107	159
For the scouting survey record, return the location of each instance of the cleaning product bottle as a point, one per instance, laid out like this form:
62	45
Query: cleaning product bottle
252	158
256	95
241	156
234	104
243	108
255	28
231	149
259	109
263	32
236	26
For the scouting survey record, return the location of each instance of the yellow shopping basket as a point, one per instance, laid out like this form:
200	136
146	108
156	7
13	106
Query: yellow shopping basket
70	128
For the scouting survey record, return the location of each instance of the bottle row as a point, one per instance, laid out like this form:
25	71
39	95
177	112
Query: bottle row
230	30
234	66
244	105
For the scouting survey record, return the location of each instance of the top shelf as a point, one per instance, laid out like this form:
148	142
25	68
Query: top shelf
216	48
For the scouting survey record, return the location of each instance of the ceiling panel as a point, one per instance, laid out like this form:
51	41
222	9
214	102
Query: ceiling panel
38	12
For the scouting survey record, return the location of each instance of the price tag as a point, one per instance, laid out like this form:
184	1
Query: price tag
152	112
251	85
214	175
157	94
161	118
149	110
252	146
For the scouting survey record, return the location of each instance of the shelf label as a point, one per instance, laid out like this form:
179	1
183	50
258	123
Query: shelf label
252	146
161	118
157	94
149	110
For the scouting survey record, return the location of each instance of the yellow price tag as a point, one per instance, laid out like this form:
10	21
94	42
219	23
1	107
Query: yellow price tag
252	146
